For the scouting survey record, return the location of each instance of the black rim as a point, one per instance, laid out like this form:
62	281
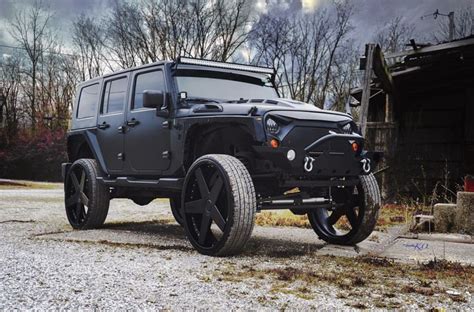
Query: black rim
206	204
346	218
77	196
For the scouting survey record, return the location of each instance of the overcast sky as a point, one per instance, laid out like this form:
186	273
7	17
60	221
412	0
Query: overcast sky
370	15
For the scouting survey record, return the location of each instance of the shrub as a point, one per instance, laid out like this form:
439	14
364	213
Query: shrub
34	156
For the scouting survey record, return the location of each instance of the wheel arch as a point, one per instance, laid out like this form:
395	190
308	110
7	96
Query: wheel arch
224	137
84	145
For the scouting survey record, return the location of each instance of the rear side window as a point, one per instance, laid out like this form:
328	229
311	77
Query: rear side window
114	96
88	101
147	81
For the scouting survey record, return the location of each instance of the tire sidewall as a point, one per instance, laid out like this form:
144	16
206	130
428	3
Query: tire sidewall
206	159
371	198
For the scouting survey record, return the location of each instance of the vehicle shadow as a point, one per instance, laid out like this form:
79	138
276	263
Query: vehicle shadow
258	245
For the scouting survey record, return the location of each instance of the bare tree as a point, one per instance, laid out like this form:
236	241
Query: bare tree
464	25
395	35
303	50
344	11
232	27
30	30
345	76
88	38
10	112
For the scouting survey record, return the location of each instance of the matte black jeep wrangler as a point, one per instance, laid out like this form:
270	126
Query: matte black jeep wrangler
216	139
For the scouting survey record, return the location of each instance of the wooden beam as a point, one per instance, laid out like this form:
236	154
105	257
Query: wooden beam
381	70
364	103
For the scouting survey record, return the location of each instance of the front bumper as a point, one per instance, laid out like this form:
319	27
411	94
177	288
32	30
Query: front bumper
330	155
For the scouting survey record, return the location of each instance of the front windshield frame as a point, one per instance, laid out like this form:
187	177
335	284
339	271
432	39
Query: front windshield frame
230	75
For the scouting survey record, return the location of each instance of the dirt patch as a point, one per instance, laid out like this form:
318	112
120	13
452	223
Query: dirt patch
6	184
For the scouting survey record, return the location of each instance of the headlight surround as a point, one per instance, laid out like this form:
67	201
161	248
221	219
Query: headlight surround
349	128
272	126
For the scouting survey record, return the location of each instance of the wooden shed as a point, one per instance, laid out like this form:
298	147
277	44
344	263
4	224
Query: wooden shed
417	107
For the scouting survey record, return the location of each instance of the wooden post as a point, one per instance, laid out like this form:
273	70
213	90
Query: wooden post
388	108
364	103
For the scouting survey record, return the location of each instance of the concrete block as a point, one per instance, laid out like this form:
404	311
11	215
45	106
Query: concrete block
465	213
444	217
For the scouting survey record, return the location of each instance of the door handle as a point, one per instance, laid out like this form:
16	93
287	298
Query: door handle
103	126
133	122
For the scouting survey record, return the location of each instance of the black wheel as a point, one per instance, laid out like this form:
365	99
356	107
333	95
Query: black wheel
218	205
354	217
175	204
86	200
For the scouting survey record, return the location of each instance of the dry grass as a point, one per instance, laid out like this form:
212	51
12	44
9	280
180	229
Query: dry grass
390	215
358	278
19	184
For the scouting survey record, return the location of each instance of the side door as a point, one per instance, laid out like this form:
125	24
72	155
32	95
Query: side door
110	122
147	140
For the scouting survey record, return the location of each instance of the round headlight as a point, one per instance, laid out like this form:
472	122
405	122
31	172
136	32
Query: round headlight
272	126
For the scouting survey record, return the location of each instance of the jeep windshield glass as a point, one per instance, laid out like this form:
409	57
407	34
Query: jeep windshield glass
224	86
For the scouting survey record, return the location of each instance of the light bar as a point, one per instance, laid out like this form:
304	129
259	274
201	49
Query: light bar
256	69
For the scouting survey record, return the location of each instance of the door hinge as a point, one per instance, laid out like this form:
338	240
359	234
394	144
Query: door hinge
166	155
121	156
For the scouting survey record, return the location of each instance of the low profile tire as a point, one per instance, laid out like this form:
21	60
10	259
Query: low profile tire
218	205
175	205
358	205
86	200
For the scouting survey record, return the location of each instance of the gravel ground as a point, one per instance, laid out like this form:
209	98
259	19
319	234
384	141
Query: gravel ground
141	260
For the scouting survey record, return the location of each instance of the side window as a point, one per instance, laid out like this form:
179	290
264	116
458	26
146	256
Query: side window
114	96
147	81
88	101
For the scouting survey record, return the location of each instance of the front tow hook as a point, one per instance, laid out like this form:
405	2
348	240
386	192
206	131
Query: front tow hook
308	163
365	165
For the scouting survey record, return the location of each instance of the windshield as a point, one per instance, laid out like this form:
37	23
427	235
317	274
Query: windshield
225	86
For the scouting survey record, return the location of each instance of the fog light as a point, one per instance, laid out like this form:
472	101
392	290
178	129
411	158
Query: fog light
291	155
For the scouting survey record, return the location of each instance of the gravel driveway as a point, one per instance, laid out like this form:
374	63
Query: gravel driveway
141	260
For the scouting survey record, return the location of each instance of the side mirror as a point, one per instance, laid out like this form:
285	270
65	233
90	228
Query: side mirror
153	99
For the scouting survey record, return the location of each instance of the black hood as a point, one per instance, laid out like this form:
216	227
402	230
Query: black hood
259	107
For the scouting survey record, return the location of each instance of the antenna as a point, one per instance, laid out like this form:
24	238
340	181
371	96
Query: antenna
450	15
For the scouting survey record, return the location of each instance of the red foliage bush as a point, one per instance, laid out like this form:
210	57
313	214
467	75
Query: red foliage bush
34	157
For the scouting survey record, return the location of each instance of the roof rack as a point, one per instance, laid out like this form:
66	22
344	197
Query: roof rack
250	68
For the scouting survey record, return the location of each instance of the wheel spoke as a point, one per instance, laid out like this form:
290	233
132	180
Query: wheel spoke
195	206
75	182
335	216
352	217
217	217
203	189
205	228
216	190
84	199
83	179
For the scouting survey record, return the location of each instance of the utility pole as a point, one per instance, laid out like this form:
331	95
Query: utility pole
452	25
